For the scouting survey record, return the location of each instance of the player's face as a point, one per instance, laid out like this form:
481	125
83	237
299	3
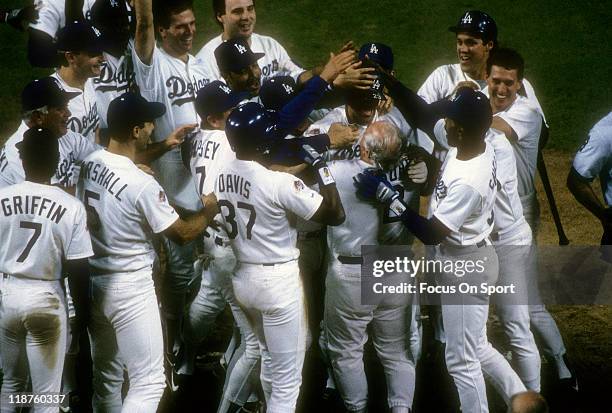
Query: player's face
452	131
247	80
361	113
178	37
472	53
503	87
239	18
56	120
88	64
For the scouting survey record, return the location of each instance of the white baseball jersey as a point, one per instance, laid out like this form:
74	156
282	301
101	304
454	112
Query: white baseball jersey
52	15
258	206
442	81
338	115
210	152
526	121
362	223
594	158
464	197
73	148
84	117
126	207
174	83
116	77
41	226
276	61
508	211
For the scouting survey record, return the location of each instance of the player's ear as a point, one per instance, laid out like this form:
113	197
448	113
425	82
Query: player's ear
219	18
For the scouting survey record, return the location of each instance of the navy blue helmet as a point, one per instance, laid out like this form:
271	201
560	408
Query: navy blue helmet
251	129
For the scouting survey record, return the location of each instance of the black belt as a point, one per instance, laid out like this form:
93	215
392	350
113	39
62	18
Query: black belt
483	243
350	260
494	236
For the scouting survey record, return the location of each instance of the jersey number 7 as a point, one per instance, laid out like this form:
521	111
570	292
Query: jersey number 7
230	218
37	227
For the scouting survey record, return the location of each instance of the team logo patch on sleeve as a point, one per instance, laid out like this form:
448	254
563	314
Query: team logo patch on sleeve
298	186
441	190
162	196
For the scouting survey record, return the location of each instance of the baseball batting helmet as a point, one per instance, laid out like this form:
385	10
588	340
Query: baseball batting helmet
477	23
251	129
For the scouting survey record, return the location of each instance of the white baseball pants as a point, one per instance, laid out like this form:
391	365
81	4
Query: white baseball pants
468	351
33	323
346	323
125	331
272	298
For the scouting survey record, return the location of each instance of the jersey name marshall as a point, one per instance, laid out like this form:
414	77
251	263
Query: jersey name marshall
104	177
33	205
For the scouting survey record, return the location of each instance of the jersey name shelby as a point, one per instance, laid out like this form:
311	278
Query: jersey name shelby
181	92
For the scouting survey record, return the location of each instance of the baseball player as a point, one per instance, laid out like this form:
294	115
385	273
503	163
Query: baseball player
111	18
125	207
460	221
44	104
81	49
44	235
168	73
476	36
255	203
594	159
346	319
521	122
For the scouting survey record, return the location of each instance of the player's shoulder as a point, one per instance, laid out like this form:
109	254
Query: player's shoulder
266	41
604	126
207	51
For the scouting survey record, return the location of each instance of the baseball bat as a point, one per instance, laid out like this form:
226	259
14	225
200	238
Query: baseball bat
548	189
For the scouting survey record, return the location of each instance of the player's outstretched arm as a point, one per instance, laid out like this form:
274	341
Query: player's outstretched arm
174	140
331	211
189	228
584	193
144	41
78	281
374	186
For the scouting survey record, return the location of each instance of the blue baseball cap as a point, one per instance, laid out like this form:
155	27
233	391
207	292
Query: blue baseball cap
37	143
217	97
234	55
44	92
470	109
277	92
477	23
379	53
131	109
79	36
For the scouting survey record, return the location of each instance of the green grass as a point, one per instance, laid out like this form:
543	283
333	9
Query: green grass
566	44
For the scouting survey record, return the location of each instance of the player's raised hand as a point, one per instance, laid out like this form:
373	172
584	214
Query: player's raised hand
337	64
356	77
342	136
385	106
464	83
349	45
417	172
372	185
178	135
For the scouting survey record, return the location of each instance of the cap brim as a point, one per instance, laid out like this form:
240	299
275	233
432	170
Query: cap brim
154	110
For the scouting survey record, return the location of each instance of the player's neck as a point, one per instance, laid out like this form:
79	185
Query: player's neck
478	73
465	152
176	54
71	78
126	149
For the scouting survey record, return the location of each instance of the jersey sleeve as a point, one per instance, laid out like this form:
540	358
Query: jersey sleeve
295	196
51	16
459	203
146	75
440	133
79	246
524	120
152	202
431	87
592	156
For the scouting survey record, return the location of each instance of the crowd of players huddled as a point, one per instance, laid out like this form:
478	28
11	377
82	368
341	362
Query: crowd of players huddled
257	182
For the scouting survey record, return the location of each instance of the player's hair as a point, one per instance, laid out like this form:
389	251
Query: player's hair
507	58
123	133
528	402
219	10
164	9
39	163
383	141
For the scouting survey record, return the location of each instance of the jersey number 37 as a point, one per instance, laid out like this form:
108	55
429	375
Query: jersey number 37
229	215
